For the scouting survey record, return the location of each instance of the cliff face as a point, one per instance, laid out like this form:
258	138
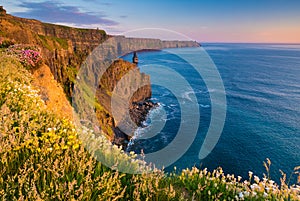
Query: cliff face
120	87
63	48
134	44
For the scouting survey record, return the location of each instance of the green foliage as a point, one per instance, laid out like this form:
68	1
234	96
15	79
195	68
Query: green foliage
62	42
71	73
42	157
51	42
44	42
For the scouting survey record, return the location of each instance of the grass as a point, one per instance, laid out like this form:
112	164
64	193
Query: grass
51	42
42	157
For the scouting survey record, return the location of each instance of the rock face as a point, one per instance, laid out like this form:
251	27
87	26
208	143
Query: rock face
149	43
139	111
124	93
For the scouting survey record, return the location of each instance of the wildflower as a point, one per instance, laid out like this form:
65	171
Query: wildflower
246	193
241	195
239	178
256	179
75	146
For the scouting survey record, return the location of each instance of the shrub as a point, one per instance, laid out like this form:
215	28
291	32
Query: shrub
29	56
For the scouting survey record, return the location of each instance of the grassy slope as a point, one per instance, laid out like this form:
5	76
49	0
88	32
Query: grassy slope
51	92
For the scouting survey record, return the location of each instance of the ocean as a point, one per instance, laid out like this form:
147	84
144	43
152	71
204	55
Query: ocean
262	87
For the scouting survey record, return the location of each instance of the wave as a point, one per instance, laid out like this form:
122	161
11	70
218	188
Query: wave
186	95
204	106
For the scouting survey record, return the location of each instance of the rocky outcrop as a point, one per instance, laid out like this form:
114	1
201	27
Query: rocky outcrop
124	93
2	11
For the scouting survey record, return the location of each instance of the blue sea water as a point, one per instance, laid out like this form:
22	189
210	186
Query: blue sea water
262	85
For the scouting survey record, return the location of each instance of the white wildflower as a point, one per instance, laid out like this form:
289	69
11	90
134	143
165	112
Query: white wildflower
256	179
250	174
241	195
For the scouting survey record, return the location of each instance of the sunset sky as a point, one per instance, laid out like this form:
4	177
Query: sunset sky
205	21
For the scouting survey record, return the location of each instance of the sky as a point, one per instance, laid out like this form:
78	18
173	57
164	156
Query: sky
253	21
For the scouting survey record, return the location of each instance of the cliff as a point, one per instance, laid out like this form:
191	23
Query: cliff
118	93
65	48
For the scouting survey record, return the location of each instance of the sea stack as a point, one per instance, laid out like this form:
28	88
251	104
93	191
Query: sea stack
135	59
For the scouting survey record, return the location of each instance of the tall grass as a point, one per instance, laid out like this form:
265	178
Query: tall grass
42	158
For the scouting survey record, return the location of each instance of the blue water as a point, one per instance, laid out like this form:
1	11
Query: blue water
262	84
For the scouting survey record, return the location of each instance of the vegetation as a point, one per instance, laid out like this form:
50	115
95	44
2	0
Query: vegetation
51	42
6	43
42	157
30	57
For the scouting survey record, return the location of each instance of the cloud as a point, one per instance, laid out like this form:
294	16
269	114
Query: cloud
123	16
55	12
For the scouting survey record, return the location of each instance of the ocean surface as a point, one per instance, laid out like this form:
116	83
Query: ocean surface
262	86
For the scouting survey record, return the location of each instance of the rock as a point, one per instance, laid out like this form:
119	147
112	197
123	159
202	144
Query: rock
2	11
120	138
139	111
